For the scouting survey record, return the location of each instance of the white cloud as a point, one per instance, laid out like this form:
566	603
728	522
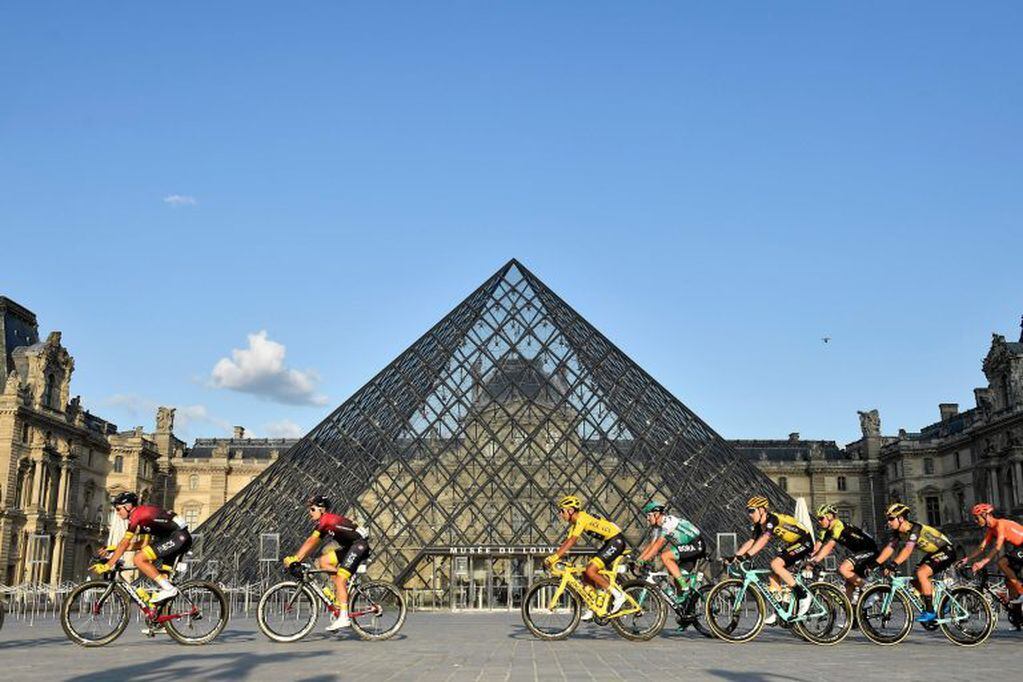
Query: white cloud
260	370
180	200
187	418
285	428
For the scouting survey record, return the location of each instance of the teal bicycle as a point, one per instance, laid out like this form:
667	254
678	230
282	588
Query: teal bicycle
885	612
737	608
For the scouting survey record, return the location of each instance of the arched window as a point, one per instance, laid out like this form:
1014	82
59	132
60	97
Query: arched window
118	464
841	483
193	482
783	483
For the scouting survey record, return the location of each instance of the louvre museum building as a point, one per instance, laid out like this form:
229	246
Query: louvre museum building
453	454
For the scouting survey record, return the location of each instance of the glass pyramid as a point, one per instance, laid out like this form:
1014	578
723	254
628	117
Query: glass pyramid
459	447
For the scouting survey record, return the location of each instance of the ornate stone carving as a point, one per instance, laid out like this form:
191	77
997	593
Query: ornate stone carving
165	419
870	423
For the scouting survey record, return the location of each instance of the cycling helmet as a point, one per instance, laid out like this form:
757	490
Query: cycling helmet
652	506
757	501
981	508
826	509
896	509
318	501
570	502
125	498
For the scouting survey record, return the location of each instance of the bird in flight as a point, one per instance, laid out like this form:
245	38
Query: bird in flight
826	339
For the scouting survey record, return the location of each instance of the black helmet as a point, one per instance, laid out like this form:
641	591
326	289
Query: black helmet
318	501
125	498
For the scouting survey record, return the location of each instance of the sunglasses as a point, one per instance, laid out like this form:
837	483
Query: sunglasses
750	510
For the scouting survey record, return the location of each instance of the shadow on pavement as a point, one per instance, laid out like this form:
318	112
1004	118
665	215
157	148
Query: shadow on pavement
750	677
222	666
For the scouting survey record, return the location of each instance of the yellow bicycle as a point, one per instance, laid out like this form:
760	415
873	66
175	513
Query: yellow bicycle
552	607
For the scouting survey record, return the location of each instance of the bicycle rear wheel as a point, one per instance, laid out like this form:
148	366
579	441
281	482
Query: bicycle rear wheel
550	621
735	613
94	614
972	620
644	625
699	604
202	610
377	610
287	611
884	625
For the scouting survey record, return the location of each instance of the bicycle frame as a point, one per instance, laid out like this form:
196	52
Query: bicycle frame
152	613
751	579
903	584
305	573
598	601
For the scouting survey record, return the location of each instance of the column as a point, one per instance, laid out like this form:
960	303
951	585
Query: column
992	484
37	482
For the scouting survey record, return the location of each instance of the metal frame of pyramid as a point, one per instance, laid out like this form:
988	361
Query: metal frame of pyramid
468	436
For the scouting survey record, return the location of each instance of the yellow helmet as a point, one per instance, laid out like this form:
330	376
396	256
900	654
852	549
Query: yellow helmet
896	509
570	502
757	501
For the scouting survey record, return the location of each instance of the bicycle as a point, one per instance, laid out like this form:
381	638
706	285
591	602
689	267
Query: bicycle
552	607
687	606
96	612
998	596
885	612
376	609
743	599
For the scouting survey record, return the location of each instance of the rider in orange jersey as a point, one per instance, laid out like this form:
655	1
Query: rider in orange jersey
999	532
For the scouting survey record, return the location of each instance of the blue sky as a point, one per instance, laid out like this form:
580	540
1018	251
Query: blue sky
715	188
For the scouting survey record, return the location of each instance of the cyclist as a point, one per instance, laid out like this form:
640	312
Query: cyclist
999	532
938	551
352	549
797	543
861	544
678	541
169	539
570	511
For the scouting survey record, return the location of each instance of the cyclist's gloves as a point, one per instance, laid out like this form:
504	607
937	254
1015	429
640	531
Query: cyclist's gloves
552	559
891	566
289	560
100	569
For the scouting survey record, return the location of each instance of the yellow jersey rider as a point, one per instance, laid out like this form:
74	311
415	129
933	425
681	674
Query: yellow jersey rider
938	552
796	541
570	511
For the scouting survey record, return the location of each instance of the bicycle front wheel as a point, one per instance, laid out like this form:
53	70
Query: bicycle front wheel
829	618
200	613
971	620
377	611
546	620
648	620
94	614
734	612
287	611
885	616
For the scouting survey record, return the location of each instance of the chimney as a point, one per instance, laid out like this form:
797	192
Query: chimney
239	432
794	437
948	410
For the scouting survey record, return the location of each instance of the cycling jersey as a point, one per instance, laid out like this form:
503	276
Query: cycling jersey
153	520
343	530
928	540
593	526
784	527
1004	531
678	532
852	538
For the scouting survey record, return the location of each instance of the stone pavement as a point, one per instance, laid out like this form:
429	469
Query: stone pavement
495	646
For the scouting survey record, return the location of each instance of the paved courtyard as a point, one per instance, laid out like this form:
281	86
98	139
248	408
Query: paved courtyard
495	646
